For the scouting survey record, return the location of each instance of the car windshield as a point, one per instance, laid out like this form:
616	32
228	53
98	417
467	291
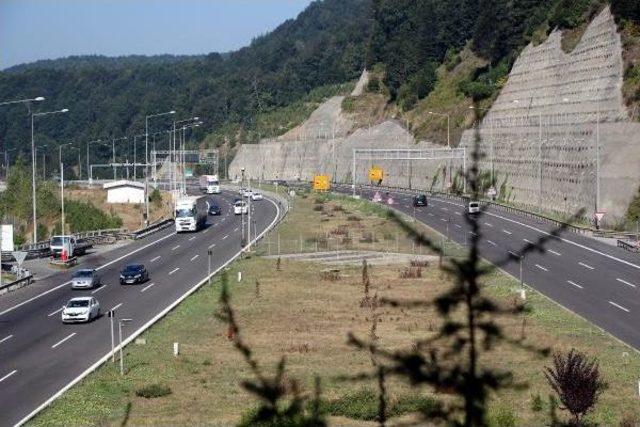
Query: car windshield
78	303
240	204
473	205
58	241
421	198
184	213
132	268
215	207
83	273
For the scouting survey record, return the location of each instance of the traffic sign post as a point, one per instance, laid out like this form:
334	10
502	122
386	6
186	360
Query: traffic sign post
598	217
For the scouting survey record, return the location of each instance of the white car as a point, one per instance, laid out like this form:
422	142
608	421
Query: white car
247	193
473	208
81	309
240	208
256	196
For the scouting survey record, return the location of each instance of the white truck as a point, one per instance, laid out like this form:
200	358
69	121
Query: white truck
69	244
191	214
210	184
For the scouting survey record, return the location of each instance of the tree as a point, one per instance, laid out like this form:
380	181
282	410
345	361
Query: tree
577	382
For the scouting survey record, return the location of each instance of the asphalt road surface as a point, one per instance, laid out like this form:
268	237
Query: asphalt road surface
39	355
600	282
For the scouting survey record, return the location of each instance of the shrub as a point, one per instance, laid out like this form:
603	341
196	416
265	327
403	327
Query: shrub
152	391
414	403
358	405
155	197
501	417
537	404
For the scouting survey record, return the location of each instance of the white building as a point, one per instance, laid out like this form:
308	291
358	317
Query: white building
124	192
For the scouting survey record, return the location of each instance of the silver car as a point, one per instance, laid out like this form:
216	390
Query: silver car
85	279
82	309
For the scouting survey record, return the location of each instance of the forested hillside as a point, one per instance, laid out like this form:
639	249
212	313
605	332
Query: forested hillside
107	96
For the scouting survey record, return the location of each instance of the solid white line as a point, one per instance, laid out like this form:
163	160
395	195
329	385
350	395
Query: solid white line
191	238
95	291
174	270
235	229
586	266
175	247
619	306
488	225
626	283
429	213
443	219
8	337
574	284
34	298
147	287
445	209
207	230
156	258
506	232
225	237
528	241
514	254
554	252
194	257
144	327
491	243
116	307
63	340
55	312
8	375
472	233
541	267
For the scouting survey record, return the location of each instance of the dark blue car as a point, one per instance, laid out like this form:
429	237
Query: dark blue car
134	273
214	210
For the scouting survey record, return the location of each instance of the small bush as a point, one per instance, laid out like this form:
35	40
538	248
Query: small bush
152	391
155	197
419	263
414	403
411	273
501	417
537	404
353	218
358	405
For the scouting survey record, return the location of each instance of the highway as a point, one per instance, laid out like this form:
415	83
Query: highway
598	281
39	356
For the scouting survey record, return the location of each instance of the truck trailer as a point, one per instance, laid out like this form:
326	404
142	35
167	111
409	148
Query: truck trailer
191	214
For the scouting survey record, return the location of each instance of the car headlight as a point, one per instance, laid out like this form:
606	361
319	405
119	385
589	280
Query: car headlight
122	276
137	276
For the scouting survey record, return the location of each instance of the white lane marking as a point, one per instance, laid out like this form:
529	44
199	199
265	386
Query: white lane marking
541	267
443	219
619	306
225	237
488	225
191	238
586	266
574	284
514	254
34	298
528	241
213	246
55	312
95	291
68	337
429	213
235	229
626	283
472	233
194	257
458	225
491	243
8	375
207	230
458	213
155	259
116	307
445	209
506	232
147	287
175	247
174	270
554	252
8	337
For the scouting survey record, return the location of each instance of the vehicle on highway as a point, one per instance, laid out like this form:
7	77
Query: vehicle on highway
85	278
256	196
81	309
473	208
191	214
247	193
420	200
69	244
210	184
240	207
133	274
214	209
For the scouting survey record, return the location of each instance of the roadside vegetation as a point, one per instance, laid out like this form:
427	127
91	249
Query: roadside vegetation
292	324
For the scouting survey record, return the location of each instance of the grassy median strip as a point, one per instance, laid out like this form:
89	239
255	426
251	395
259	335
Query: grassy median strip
298	312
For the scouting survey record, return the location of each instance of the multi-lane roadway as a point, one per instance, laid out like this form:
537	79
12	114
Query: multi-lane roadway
40	356
596	280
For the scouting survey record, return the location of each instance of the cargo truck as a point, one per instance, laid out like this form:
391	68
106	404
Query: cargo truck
69	245
210	184
191	214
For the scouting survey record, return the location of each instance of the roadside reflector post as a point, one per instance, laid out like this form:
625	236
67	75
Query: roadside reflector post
111	315
176	349
239	276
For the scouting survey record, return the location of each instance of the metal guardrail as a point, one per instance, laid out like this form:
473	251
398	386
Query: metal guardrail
152	228
16	284
628	246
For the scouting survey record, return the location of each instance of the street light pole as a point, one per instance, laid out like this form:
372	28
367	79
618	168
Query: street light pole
62	186
33	167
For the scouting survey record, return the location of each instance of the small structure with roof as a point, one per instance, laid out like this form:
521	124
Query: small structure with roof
124	191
